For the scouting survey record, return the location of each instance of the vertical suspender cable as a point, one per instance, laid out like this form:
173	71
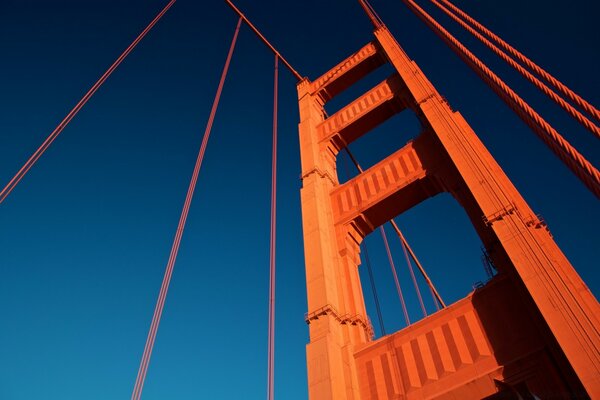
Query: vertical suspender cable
141	376
363	246
582	119
574	160
271	344
264	40
38	153
437	298
396	281
414	279
390	259
529	63
373	288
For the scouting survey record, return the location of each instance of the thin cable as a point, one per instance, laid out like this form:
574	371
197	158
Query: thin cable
264	40
529	63
363	246
582	119
373	288
414	279
434	291
44	146
581	167
271	344
435	300
396	281
139	383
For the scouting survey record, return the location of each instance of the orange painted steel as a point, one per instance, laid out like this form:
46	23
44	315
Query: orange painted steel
529	63
160	303
574	160
406	246
534	328
63	124
365	250
429	357
582	119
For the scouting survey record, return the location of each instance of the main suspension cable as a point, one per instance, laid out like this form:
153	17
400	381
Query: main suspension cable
582	119
271	341
574	160
529	63
63	124
141	376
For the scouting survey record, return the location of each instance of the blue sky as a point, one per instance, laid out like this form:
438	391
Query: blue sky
85	237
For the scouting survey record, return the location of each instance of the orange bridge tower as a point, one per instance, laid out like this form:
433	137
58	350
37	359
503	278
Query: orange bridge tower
532	329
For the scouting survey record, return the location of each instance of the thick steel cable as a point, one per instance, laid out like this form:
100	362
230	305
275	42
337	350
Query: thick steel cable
581	167
141	376
582	119
529	63
44	146
396	281
271	344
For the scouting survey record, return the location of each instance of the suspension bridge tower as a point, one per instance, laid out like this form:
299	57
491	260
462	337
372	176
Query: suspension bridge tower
533	329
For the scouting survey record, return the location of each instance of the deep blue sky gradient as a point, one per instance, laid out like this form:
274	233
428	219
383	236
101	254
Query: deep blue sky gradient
85	237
